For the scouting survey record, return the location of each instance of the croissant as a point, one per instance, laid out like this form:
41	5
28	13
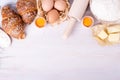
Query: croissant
12	23
27	9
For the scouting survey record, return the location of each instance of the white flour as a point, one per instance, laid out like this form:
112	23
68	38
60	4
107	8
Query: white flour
5	40
106	10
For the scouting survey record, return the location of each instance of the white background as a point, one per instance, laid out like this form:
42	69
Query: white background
44	55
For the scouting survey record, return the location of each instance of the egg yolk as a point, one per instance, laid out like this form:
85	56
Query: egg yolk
40	22
87	21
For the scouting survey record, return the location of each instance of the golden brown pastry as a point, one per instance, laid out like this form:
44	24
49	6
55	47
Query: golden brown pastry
12	23
27	9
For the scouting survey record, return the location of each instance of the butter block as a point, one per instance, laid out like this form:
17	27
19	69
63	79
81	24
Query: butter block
114	37
113	29
102	35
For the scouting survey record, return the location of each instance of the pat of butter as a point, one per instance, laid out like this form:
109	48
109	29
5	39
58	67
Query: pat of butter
102	35
113	29
114	37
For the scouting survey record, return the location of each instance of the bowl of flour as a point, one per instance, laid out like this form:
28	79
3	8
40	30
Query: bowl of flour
106	11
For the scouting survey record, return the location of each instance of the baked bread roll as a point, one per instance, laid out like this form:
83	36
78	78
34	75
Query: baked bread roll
12	23
27	9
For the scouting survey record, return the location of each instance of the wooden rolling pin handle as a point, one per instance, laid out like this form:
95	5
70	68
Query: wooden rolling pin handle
68	30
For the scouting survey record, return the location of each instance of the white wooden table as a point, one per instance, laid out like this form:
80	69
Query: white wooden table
44	55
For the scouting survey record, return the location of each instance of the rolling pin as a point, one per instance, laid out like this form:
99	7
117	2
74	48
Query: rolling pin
76	12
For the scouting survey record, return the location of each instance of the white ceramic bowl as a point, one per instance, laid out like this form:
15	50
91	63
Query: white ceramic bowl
98	17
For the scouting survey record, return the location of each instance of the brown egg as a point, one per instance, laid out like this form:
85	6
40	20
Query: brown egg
52	16
60	5
47	5
58	0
